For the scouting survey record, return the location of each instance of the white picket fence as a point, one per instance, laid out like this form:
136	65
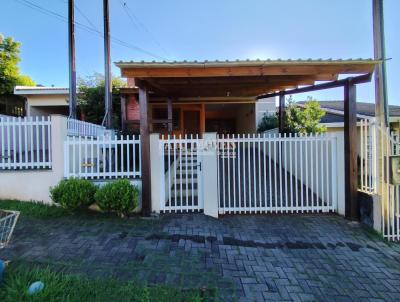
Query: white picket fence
181	173
102	157
277	174
373	137
82	128
25	143
368	153
390	146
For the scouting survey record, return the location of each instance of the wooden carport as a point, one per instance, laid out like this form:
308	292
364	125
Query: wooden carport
181	81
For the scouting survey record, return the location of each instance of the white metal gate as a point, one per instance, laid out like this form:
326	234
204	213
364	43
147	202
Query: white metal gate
255	174
181	190
277	174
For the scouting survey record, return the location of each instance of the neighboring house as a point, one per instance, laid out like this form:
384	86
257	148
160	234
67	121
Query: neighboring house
43	101
334	117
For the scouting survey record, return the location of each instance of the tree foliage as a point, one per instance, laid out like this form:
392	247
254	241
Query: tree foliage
91	99
304	120
9	72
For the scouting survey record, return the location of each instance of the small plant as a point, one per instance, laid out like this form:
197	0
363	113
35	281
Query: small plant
268	122
119	196
73	194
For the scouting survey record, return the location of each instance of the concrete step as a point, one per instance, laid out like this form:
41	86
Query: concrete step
178	202
183	193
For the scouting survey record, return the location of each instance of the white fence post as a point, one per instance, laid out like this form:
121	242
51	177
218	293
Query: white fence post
210	175
58	136
157	173
340	185
335	163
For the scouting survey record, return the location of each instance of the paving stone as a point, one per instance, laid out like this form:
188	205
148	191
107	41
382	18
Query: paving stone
248	258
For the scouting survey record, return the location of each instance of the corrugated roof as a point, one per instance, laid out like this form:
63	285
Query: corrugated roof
26	90
238	62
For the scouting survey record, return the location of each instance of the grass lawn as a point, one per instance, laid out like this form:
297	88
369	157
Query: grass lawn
33	209
71	288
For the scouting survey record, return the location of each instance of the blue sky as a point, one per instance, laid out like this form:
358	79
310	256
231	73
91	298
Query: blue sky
198	30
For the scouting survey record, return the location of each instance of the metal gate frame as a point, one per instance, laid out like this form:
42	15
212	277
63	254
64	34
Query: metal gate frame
182	181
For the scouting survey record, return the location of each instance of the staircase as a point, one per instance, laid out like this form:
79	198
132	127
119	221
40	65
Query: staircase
183	194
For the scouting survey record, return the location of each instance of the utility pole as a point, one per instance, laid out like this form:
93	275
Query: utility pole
107	121
71	54
381	104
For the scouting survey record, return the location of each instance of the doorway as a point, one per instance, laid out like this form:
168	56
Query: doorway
191	122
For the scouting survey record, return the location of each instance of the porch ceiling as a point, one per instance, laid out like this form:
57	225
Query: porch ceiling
236	78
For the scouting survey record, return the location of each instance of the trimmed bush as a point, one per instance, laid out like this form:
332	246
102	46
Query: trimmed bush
73	194
119	196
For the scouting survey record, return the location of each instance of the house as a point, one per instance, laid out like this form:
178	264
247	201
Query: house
216	164
44	101
205	98
334	117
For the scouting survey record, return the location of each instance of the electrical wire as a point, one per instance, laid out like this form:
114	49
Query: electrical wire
89	29
136	22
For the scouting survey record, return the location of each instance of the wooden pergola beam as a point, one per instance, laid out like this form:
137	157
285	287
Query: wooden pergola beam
277	69
334	84
266	79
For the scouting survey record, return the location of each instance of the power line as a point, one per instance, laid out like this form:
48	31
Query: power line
135	20
85	17
51	13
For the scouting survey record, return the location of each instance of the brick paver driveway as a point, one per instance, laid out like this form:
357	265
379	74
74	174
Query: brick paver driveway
305	258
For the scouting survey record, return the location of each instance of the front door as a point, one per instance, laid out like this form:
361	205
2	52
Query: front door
191	122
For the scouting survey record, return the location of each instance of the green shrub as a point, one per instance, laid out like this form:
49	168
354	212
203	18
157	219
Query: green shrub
119	196
73	194
268	121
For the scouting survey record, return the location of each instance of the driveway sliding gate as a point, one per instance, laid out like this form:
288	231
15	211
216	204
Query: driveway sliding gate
256	174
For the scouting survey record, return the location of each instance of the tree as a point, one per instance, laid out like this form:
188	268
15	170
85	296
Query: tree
91	99
304	120
9	72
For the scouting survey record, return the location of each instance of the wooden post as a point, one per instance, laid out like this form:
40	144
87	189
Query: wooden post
145	151
281	111
170	116
202	119
350	151
107	66
123	112
71	53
